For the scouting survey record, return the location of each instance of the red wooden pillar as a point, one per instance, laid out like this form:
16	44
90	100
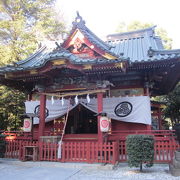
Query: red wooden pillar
42	115
100	109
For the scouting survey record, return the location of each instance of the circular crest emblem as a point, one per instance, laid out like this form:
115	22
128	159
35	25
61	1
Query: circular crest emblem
104	123
27	124
37	111
123	109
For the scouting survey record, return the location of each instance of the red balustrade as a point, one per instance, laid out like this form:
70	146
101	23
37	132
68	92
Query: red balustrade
91	151
71	151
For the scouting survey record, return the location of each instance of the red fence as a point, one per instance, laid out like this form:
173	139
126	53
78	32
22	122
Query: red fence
48	151
14	148
163	150
70	151
119	135
92	151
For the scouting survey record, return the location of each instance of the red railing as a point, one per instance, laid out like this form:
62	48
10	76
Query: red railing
14	148
71	151
90	152
158	134
48	151
163	150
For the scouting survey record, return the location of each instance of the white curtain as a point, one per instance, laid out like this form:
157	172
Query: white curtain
129	109
56	109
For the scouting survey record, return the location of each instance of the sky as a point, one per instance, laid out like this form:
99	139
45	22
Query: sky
103	16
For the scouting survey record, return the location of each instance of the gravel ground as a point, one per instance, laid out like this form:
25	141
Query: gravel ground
123	172
17	170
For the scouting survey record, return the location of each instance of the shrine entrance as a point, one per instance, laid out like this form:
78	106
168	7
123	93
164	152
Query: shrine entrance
81	121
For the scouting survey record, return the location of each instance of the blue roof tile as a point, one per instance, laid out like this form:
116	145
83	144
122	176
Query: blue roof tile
136	45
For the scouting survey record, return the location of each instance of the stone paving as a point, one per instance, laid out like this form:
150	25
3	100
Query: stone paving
17	170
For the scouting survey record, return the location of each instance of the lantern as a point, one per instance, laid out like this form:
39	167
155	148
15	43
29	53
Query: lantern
27	127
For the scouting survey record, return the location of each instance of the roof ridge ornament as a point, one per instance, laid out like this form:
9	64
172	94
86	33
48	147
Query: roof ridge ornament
78	20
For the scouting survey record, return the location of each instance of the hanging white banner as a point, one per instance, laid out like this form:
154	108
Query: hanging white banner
57	109
135	109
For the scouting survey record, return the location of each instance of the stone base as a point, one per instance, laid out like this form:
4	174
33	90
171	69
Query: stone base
176	164
174	171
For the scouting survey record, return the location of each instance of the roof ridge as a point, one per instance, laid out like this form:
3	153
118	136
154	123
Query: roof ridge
132	34
135	31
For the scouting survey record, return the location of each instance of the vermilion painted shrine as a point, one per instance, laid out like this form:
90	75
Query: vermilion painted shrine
70	84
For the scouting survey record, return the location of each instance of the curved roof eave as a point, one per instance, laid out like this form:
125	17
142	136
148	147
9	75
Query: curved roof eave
21	66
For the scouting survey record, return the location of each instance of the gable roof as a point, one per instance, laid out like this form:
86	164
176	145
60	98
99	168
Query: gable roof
79	24
140	45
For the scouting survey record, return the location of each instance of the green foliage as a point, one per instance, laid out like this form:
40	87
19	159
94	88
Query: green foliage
172	109
140	149
136	25
23	24
11	108
172	105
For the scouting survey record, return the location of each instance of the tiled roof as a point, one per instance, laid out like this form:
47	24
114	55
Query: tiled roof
136	46
46	54
139	45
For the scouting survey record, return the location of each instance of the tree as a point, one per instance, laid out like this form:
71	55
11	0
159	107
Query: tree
11	108
23	24
140	149
135	25
172	109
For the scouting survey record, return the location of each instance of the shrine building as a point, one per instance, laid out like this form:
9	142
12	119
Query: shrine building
70	86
